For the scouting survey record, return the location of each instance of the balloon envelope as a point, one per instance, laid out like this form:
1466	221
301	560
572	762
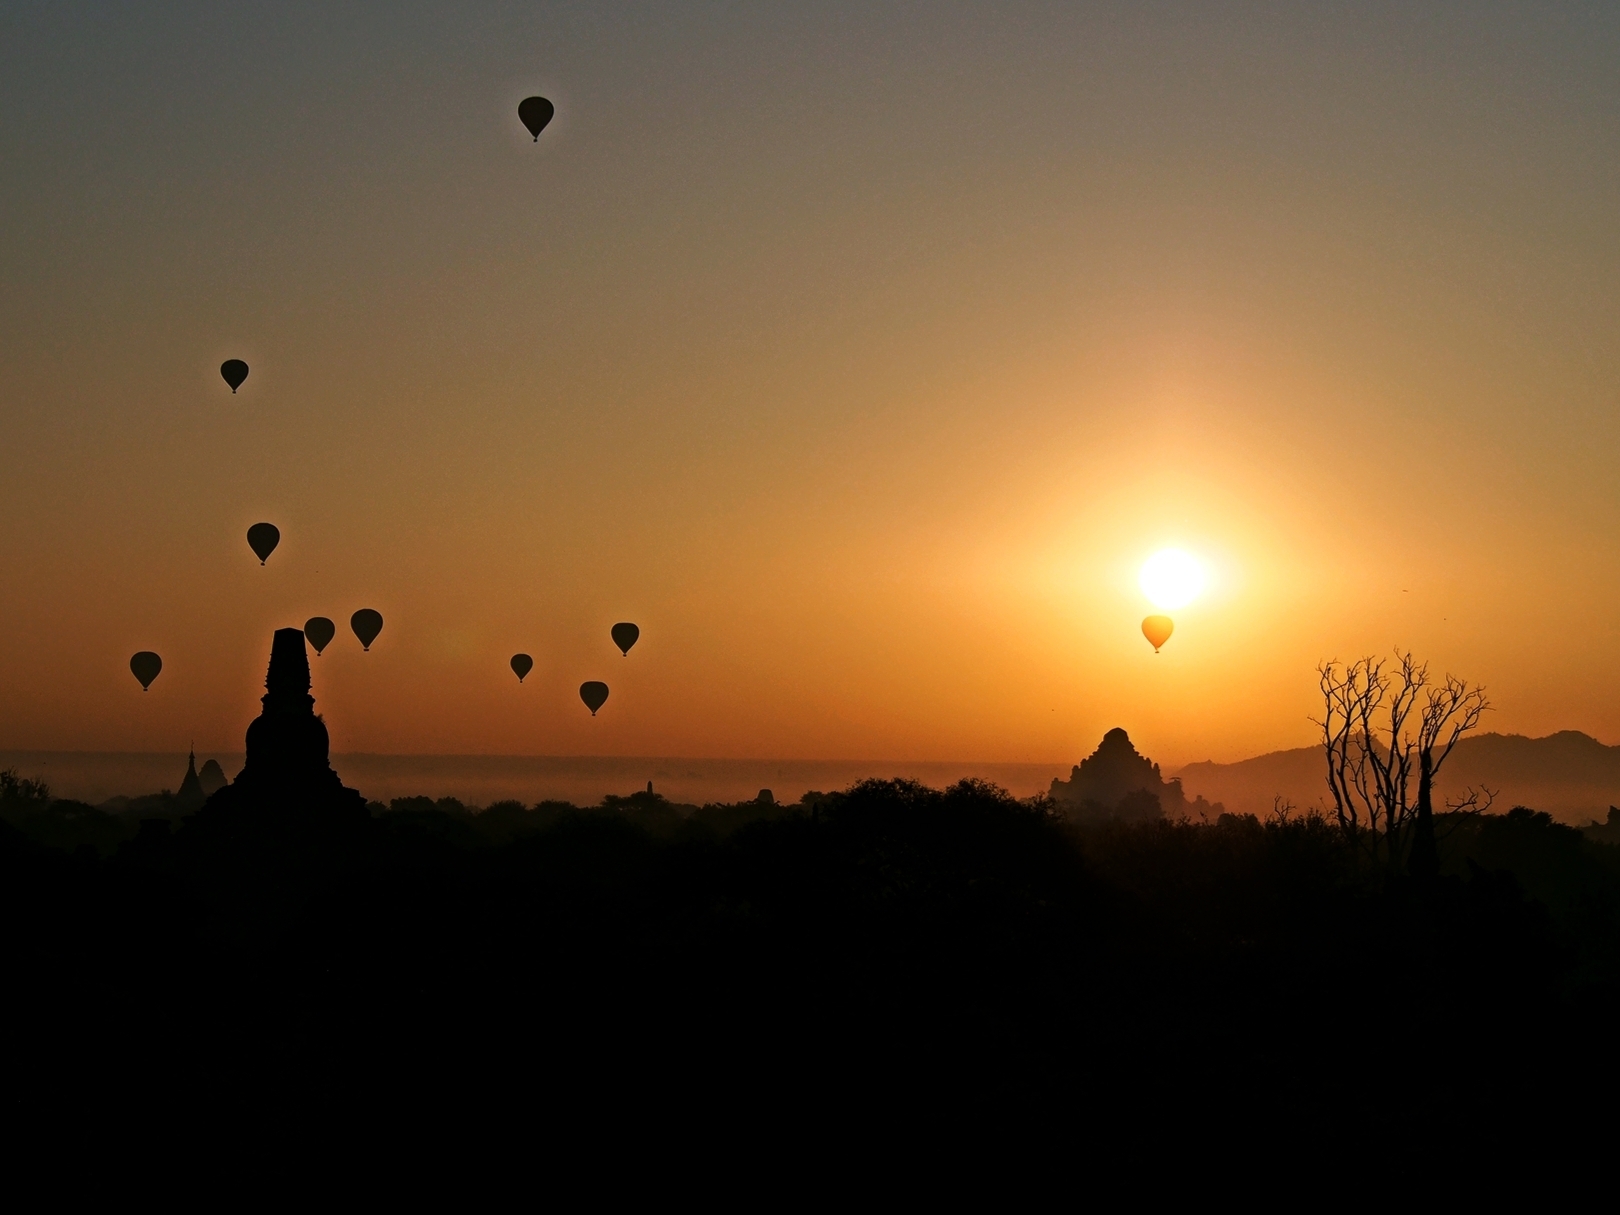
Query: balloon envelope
366	624
522	664
535	112
1157	629
624	636
145	667
594	694
320	632
234	371
262	539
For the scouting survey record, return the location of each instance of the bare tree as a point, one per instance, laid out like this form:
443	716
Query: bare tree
1384	722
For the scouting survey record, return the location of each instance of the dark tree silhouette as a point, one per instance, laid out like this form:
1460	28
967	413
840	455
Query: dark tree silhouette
1381	720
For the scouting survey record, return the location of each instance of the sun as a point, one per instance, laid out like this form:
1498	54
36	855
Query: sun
1172	578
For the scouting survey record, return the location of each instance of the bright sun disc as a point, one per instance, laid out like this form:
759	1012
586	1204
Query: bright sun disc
1172	578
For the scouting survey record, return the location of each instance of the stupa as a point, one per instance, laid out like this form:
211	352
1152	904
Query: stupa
288	765
190	795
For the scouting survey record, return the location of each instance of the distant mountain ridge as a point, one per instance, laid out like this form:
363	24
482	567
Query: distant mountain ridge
1570	775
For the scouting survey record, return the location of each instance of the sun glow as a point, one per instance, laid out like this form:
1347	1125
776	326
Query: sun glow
1172	578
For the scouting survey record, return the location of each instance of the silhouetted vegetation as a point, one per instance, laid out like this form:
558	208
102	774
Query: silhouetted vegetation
891	955
1382	724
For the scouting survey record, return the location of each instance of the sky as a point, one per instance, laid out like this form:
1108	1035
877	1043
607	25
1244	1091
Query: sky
860	354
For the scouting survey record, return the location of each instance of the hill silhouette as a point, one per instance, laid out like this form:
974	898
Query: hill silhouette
1569	775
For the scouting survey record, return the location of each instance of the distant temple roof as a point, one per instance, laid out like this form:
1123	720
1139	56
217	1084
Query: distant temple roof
191	795
212	776
1116	781
1114	769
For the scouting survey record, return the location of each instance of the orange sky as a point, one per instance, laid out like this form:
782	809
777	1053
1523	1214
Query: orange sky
860	358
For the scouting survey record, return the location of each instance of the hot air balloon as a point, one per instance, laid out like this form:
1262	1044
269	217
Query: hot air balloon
262	539
535	112
320	632
624	636
522	664
146	665
594	694
235	371
1157	629
366	625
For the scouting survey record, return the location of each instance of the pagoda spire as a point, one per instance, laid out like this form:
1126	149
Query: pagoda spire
191	795
288	764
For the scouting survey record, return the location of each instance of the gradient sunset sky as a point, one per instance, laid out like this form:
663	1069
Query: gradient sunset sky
859	353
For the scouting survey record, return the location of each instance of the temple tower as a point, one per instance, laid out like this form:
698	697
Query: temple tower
287	745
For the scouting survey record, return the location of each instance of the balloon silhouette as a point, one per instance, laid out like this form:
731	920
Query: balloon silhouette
234	371
535	112
1157	629
366	625
594	694
320	632
624	636
146	665
522	664
262	539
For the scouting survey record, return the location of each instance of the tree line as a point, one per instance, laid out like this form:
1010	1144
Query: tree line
955	959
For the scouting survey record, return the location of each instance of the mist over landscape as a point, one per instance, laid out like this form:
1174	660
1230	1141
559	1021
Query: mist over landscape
1569	775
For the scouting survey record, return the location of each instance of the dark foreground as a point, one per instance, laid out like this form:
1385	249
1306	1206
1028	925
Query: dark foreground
887	961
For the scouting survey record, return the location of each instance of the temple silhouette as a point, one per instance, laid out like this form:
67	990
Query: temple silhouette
190	795
1117	782
212	777
288	765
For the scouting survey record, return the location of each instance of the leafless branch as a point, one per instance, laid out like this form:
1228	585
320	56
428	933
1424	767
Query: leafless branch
1382	723
1474	801
1451	711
